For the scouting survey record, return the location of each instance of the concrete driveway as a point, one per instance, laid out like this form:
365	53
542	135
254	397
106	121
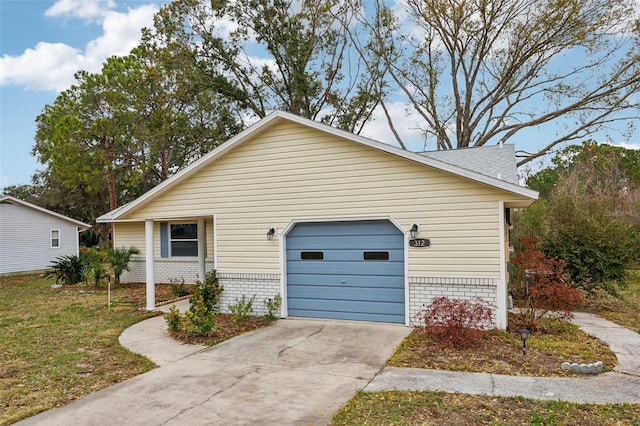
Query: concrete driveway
296	372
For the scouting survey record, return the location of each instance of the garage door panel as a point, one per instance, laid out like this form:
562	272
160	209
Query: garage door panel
341	255
380	281
343	229
355	306
343	243
356	316
347	268
351	293
336	279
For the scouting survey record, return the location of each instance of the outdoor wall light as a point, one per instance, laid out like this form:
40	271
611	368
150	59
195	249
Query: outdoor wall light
414	231
524	335
270	233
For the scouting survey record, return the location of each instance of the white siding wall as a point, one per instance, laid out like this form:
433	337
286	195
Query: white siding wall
25	239
293	172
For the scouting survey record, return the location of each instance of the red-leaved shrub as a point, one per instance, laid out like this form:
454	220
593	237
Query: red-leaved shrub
547	289
461	323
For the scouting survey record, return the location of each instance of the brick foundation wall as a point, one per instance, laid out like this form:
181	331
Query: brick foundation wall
166	270
422	290
262	286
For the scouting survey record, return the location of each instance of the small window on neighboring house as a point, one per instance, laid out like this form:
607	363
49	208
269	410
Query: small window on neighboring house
55	238
184	240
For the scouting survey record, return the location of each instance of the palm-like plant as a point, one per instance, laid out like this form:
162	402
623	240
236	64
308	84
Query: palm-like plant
119	260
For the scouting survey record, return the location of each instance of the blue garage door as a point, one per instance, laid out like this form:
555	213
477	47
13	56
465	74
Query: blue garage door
346	270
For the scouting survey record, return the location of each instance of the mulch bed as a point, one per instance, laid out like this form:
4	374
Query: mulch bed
225	328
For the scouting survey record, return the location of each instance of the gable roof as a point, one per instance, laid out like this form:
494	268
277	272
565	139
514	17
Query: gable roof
281	116
497	161
7	199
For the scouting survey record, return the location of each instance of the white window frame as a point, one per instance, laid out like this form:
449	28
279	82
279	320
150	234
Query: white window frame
51	239
171	240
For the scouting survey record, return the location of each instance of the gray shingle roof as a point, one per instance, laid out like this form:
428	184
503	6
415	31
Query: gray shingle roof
498	162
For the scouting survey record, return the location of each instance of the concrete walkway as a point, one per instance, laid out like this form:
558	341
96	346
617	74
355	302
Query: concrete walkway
295	372
620	386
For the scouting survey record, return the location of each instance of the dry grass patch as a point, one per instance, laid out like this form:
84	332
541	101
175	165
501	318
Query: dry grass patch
624	310
437	408
57	345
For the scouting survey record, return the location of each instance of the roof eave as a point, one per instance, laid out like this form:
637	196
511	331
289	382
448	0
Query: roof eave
45	211
277	116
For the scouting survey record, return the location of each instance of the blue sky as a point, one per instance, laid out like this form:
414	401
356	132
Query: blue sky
43	43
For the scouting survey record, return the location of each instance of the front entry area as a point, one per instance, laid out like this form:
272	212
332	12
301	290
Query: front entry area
346	270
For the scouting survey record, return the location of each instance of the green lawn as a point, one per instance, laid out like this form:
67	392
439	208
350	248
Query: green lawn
58	345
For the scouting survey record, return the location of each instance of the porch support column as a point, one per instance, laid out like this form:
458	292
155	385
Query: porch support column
202	249
150	276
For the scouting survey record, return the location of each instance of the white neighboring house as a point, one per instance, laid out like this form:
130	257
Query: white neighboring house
32	237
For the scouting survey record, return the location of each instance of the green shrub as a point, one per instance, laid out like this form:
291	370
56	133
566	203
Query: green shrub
68	269
242	309
596	247
94	272
211	289
203	305
174	319
119	260
199	319
272	306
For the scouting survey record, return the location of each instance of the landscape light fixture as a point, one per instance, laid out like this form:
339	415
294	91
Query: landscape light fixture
270	233
524	335
414	231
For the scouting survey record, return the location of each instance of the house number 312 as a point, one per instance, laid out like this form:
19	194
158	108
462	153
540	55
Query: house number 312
420	242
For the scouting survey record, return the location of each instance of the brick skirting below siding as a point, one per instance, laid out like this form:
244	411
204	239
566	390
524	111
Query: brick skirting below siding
166	270
422	290
260	286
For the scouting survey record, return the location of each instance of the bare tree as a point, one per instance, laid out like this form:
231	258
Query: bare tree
482	71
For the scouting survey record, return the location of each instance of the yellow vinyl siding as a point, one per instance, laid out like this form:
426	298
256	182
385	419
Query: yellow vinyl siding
291	172
130	234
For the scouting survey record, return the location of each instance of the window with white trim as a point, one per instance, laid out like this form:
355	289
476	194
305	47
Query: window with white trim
55	238
183	240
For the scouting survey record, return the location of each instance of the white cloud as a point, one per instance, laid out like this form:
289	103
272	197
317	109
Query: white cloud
405	121
51	66
83	9
121	32
626	145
